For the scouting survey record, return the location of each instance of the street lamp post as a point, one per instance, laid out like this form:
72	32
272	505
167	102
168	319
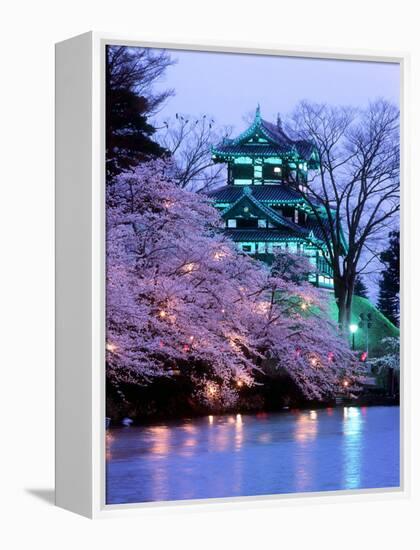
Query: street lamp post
366	323
353	330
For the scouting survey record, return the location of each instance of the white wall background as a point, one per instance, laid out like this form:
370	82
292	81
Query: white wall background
28	32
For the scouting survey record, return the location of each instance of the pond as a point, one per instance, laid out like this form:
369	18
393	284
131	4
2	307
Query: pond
260	454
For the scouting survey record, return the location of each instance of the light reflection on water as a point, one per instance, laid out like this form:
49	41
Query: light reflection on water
304	434
238	455
352	448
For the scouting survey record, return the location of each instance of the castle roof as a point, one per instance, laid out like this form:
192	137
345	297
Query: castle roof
261	235
247	197
233	199
263	193
264	139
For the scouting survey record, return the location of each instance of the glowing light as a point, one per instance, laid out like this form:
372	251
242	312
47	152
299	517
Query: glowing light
353	328
219	255
305	429
111	347
191	338
160	435
313	415
162	313
211	390
239	383
211	419
189	428
345	383
353	445
232	343
235	340
239	419
351	412
189	267
316	362
277	169
262	307
304	306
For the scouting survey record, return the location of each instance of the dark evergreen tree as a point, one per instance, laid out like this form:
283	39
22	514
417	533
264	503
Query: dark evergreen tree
389	284
130	100
360	287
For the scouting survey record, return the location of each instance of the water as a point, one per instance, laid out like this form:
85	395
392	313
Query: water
243	455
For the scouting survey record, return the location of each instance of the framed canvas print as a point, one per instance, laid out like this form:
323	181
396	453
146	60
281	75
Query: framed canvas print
229	303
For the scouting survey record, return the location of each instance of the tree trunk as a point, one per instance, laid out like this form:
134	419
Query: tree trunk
349	299
340	293
343	291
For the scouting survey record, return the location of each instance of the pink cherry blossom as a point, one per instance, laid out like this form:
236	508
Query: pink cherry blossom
181	300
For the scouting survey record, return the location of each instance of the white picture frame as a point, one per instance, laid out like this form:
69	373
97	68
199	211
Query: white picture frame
80	274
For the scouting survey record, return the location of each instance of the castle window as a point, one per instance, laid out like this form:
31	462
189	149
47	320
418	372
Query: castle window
231	223
242	160
262	223
302	218
272	172
243	223
288	212
243	171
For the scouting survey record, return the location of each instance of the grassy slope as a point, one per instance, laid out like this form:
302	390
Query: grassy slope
381	326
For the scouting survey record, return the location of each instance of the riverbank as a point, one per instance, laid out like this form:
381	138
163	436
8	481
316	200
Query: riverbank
152	415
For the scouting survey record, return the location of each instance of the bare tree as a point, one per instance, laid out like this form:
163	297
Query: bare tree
137	70
131	98
354	194
189	140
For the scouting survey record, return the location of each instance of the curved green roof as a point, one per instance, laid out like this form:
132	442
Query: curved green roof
264	139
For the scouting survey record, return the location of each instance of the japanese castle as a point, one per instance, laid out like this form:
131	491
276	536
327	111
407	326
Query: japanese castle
260	204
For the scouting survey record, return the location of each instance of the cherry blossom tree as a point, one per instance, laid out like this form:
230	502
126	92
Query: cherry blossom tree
183	302
173	289
298	333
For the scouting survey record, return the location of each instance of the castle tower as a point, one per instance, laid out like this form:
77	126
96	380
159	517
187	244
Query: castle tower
263	202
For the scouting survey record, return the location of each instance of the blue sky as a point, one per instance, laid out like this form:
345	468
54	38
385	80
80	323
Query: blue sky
229	86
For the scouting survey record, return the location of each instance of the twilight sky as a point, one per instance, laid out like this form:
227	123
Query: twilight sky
229	86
